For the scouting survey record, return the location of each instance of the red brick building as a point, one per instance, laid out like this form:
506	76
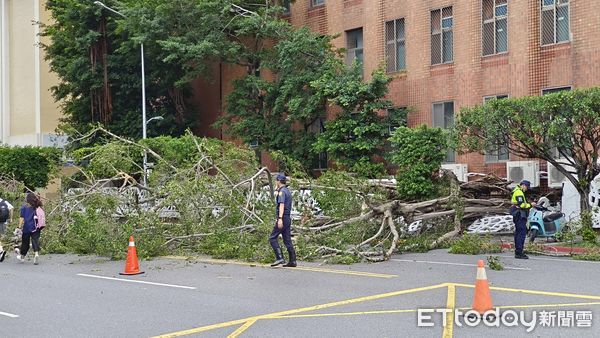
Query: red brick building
448	54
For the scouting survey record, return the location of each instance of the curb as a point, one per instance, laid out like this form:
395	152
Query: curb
555	249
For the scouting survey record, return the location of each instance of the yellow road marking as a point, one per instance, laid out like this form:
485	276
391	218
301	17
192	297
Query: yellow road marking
448	329
546	305
343	314
300	310
450	303
345	272
302	268
242	328
535	292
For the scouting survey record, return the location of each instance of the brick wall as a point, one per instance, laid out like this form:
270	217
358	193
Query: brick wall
525	69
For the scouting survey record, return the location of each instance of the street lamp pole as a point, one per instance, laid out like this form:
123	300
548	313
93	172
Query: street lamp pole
144	122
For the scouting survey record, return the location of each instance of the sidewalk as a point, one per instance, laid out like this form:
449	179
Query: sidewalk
556	249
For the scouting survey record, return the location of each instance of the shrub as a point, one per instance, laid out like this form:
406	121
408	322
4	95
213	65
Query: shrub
418	153
34	166
470	244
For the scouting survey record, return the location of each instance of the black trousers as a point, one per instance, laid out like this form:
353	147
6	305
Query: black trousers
520	235
35	242
285	232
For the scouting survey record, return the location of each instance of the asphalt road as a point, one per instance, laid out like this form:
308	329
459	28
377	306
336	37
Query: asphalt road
72	296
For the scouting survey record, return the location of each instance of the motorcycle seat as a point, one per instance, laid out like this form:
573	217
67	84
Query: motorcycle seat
552	217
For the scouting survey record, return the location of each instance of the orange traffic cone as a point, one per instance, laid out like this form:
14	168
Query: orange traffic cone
131	265
482	300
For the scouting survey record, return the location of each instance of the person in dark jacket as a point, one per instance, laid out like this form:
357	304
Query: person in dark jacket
283	225
6	211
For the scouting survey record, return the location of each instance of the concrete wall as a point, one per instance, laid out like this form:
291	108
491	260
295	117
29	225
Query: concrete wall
29	115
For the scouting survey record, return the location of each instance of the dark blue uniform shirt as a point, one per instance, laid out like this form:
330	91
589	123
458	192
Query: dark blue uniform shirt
284	196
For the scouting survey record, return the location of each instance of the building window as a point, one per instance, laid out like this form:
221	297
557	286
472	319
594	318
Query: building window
555	21
487	99
499	153
441	35
354	46
315	3
494	26
254	145
396	117
395	45
555	152
555	90
287	9
320	161
443	117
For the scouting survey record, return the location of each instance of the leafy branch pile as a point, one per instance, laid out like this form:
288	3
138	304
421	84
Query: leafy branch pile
210	197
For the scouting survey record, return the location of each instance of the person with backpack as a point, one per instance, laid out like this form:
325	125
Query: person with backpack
6	210
31	222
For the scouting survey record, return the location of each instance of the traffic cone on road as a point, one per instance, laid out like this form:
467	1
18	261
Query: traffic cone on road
131	264
482	300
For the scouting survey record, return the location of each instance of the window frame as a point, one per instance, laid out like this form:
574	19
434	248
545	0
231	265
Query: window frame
287	7
556	89
487	98
317	126
441	33
445	127
352	51
494	20
390	111
313	3
395	42
497	159
556	4
494	155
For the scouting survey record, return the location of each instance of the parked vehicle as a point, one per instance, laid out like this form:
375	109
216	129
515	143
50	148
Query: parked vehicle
543	223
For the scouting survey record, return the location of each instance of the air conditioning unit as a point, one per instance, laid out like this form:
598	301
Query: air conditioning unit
555	177
460	170
523	170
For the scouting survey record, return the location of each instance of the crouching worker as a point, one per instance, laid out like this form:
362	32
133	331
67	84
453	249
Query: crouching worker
283	224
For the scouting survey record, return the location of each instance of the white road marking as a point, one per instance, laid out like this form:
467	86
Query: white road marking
458	264
10	315
137	281
565	259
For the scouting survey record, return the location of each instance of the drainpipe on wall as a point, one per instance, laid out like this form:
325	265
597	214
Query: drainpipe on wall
4	74
38	86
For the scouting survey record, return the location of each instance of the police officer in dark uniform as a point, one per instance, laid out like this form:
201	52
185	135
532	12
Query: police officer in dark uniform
519	211
283	225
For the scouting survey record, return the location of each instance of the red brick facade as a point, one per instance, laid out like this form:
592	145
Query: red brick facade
526	68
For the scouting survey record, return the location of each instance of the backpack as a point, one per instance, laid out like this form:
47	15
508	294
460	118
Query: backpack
40	218
4	211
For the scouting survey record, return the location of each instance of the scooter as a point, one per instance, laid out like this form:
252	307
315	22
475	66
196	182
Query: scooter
541	225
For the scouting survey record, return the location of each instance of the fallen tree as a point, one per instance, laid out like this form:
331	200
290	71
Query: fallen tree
211	197
457	208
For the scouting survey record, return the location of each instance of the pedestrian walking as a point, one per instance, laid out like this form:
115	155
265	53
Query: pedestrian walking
6	211
31	223
520	211
283	224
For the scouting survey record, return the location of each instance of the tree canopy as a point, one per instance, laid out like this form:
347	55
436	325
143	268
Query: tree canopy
97	60
562	128
288	75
